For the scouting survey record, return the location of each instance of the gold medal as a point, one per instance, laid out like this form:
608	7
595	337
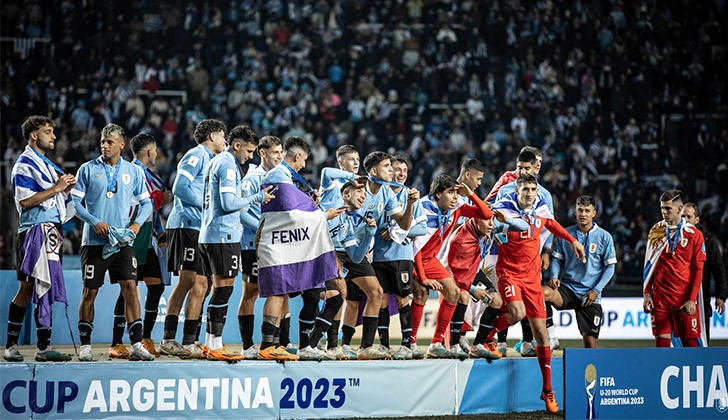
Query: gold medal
109	194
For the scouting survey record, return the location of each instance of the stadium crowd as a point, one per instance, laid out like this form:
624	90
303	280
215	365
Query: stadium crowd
623	97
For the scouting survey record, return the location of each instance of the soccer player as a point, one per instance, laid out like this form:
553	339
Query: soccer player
510	176
519	270
581	285
144	148
270	150
220	232
443	208
393	263
713	268
183	229
674	262
42	197
103	195
467	247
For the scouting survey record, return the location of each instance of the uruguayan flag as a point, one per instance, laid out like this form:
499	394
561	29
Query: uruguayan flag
32	175
295	251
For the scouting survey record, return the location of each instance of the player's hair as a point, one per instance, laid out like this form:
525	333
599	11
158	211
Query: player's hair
295	144
35	122
243	134
266	142
442	182
205	128
527	157
672	195
535	150
350	184
525	179
586	200
347	148
374	158
693	206
140	142
399	159
112	130
471	165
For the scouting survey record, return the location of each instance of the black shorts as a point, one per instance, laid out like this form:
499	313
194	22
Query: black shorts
353	292
250	265
182	251
352	270
395	276
588	318
151	268
483	279
19	253
220	259
121	265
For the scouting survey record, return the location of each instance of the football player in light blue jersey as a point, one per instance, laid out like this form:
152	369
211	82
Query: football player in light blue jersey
41	191
333	179
221	232
270	150
581	285
103	195
392	259
183	229
381	205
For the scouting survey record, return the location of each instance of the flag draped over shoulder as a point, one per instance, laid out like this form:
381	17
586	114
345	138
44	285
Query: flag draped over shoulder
30	176
42	262
508	205
435	219
656	243
295	251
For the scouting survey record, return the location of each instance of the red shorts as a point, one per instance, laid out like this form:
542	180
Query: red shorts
434	270
530	293
667	319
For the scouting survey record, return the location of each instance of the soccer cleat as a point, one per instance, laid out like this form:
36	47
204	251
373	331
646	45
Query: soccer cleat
480	351
276	353
338	354
517	347
438	351
12	354
554	343
458	352
251	353
51	355
416	353
348	352
314	353
148	344
551	405
85	355
386	350
140	353
118	351
173	348
502	348
223	355
528	349
402	353
193	351
372	353
291	348
464	344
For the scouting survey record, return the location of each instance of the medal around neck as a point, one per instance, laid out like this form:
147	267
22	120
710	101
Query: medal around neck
109	194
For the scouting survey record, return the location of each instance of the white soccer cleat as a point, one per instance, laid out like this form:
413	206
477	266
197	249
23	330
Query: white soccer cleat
402	353
314	353
139	352
251	353
85	354
528	349
502	348
464	344
348	352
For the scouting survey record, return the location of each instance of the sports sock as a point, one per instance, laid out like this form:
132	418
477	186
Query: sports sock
486	325
84	332
119	321
217	309
369	330
135	331
527	332
285	331
43	333
544	362
151	308
246	323
170	327
689	342
405	321
662	342
444	315
501	323
189	331
267	330
549	315
417	310
456	324
15	323
383	326
347	332
324	320
332	334
503	335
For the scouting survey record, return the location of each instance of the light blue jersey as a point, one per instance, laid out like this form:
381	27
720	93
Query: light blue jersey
400	249
223	201
332	180
600	261
107	194
278	175
350	233
251	218
380	206
187	189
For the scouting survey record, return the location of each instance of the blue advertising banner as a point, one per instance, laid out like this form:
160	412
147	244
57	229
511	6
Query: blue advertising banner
17	388
373	388
646	383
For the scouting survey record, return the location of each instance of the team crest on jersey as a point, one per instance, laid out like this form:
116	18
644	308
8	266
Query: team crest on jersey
538	222
592	248
684	242
126	179
597	320
247	185
404	276
193	161
134	262
380	207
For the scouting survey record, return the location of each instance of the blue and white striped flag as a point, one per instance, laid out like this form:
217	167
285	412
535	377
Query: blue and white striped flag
32	175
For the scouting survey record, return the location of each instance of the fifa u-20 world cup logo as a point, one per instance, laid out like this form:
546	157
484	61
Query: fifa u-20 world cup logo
590	383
